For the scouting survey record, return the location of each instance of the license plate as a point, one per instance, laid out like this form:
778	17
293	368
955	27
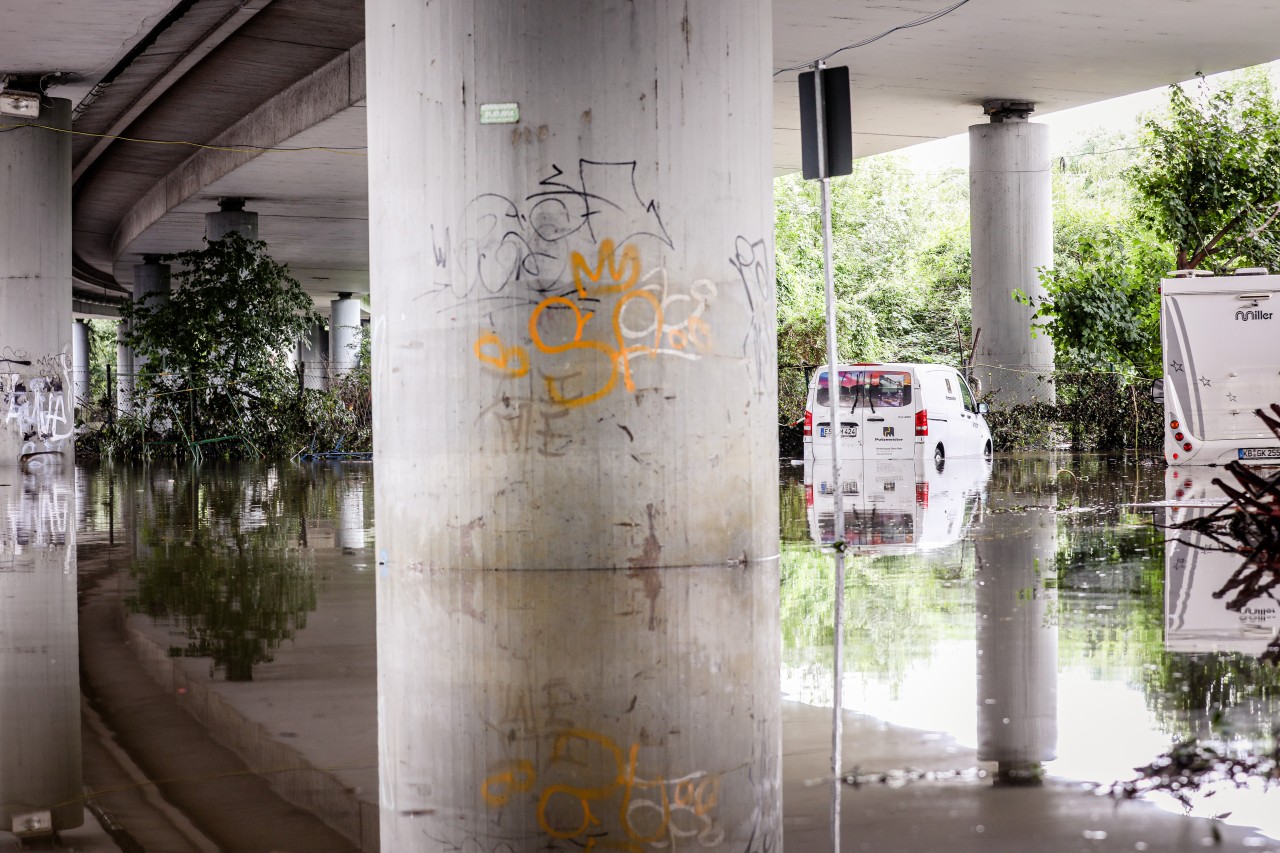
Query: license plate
845	432
1258	453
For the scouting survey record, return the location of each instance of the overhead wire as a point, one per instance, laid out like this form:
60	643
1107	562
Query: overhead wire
919	22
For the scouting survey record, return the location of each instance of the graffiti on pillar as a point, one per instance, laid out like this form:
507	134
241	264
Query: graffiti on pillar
591	794
529	241
527	425
36	514
588	340
37	407
751	260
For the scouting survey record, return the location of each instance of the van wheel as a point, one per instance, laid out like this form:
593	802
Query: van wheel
939	457
986	452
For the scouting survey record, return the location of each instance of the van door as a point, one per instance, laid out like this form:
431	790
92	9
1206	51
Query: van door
885	407
850	432
970	421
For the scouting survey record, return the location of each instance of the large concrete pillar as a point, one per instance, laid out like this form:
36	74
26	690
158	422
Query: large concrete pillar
40	781
344	334
230	216
575	419
1017	643
80	362
1011	226
35	286
124	370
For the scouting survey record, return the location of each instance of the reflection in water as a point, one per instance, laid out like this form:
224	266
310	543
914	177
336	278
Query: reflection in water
221	559
1017	641
1052	601
40	782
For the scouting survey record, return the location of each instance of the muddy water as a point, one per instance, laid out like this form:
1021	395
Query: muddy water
1030	618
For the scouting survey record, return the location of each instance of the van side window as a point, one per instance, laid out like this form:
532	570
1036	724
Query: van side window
948	381
967	396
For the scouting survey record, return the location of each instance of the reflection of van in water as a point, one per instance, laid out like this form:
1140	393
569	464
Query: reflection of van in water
897	411
892	507
1221	341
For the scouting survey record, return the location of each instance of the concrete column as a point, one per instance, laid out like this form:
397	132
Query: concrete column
124	371
151	284
35	286
344	334
313	355
231	216
575	419
1011	224
350	532
80	362
1017	643
39	651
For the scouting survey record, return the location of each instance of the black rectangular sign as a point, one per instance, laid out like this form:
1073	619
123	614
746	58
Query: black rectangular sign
838	123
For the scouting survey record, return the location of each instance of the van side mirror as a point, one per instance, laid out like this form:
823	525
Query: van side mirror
983	408
1157	390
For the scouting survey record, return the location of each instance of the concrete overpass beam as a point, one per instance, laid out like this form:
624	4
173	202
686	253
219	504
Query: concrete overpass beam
1011	219
35	286
575	365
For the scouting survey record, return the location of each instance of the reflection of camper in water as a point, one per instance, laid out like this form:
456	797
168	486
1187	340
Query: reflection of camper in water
893	506
1197	573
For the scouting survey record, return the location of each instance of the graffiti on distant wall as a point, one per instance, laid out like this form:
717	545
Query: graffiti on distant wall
591	794
37	403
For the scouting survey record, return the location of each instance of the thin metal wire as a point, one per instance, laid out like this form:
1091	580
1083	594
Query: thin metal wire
927	19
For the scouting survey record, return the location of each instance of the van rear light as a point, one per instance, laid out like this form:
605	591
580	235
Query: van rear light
922	494
1186	446
808	495
808	422
922	423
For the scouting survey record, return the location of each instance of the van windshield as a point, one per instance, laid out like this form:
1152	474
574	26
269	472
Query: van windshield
871	389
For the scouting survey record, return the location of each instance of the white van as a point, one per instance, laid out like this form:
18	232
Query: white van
897	411
1221	341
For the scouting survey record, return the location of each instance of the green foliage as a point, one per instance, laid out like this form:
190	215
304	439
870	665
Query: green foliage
217	372
1209	181
900	260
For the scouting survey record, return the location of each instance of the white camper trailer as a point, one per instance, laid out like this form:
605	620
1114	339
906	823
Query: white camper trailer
1221	340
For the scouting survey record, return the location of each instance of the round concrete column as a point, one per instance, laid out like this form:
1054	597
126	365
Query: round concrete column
231	216
124	370
151	284
344	334
313	355
80	362
35	286
1017	643
39	651
1011	222
575	424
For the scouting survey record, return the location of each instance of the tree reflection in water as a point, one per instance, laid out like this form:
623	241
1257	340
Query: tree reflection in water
225	558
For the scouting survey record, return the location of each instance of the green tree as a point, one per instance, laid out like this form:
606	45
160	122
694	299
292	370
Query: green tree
216	348
1209	180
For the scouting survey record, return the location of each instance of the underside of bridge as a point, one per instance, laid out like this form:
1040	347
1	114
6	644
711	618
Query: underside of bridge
562	214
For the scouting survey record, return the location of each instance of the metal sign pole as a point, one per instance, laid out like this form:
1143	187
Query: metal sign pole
833	403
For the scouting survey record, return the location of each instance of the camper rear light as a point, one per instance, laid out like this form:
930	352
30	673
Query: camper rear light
922	423
808	495
1174	424
1186	445
1177	436
808	422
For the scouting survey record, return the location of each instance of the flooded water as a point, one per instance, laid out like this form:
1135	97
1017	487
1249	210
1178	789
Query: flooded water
187	655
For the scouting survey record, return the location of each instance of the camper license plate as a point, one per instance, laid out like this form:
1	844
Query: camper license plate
845	432
1259	453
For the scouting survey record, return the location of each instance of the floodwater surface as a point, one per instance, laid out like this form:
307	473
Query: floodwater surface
188	653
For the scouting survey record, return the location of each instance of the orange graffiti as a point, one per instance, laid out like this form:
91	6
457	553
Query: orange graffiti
513	360
606	255
697	793
516	779
618	347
